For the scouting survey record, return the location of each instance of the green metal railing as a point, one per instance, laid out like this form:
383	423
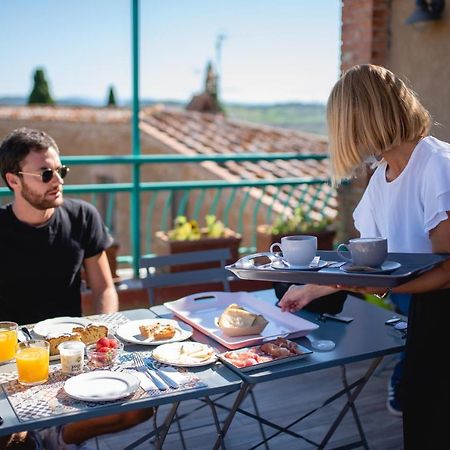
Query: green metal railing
161	201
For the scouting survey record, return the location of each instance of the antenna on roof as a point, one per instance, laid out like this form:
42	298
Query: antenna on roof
219	40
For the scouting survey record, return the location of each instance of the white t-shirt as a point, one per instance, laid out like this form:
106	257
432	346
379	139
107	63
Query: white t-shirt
407	208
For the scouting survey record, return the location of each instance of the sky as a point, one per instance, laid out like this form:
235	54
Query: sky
271	51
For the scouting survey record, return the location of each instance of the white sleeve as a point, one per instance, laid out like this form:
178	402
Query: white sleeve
364	218
436	192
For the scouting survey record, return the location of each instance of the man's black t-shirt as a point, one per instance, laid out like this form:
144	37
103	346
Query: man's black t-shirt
40	266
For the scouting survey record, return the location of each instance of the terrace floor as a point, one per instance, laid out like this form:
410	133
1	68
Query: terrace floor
283	401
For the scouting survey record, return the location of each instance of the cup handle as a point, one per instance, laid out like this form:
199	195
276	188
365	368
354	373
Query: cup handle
339	250
275	244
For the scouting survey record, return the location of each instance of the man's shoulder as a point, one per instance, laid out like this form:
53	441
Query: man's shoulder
76	207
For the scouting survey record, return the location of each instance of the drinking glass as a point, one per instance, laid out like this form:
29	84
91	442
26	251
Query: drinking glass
8	341
32	359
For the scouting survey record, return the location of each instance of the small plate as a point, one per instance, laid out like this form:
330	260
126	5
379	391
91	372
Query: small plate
279	265
59	325
185	354
386	267
101	385
129	331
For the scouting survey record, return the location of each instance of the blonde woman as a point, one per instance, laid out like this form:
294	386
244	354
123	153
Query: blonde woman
372	113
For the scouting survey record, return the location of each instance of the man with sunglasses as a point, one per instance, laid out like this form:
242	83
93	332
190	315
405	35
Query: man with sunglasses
44	241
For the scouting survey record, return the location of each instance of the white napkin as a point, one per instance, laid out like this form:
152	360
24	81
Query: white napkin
148	385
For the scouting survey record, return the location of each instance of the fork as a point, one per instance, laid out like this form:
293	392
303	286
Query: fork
141	367
151	364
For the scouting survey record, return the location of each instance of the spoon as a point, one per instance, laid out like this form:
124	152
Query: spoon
26	332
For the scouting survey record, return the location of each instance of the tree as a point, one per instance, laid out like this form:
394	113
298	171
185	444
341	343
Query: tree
40	94
111	97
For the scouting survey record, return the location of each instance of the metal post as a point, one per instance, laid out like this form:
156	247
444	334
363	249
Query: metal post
136	143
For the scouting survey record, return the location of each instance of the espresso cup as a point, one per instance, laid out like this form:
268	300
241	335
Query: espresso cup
297	250
371	252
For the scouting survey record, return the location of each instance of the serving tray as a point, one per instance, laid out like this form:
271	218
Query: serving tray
262	365
411	266
202	310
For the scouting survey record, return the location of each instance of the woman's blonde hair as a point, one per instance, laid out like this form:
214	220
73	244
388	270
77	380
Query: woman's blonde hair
369	111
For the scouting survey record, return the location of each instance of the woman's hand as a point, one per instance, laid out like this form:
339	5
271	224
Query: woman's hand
297	297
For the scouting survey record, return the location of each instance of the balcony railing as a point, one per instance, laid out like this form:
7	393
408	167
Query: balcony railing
241	204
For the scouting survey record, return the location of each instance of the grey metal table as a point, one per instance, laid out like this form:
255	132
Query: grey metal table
217	378
365	338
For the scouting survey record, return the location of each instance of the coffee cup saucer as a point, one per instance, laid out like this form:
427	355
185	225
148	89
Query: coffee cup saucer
386	267
286	266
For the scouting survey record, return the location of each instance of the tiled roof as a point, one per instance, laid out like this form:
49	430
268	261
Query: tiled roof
66	114
190	132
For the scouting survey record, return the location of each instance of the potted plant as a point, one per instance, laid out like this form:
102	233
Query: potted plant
188	236
298	223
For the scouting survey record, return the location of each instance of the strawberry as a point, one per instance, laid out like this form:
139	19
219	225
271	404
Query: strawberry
102	342
113	343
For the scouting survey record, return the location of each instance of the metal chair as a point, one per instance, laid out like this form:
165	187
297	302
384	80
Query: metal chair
157	279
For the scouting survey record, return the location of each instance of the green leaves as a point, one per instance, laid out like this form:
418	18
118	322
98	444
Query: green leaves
298	223
189	230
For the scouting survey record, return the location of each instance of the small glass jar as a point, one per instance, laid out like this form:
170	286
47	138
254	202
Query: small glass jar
72	357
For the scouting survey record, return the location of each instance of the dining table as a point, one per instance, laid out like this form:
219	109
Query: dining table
365	338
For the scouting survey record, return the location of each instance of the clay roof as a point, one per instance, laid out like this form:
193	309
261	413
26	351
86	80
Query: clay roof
190	133
66	114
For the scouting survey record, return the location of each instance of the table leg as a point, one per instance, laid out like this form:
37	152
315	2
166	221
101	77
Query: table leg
239	399
166	426
353	408
351	399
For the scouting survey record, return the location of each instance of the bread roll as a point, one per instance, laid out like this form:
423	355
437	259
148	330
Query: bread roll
237	321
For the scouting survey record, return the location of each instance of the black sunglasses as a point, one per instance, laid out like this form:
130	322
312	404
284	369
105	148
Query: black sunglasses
47	174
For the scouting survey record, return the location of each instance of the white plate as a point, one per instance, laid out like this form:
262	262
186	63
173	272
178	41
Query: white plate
59	325
386	267
101	385
280	266
179	354
130	331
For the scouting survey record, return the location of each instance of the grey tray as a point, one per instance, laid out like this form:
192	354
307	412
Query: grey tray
304	352
412	265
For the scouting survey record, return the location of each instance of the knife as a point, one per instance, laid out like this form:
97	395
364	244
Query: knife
151	365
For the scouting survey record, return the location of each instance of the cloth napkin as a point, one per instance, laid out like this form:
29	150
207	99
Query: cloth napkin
148	385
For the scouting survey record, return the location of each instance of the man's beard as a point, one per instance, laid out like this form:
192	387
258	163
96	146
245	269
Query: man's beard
39	201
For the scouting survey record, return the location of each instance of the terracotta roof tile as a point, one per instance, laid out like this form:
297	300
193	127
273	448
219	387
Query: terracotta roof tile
204	133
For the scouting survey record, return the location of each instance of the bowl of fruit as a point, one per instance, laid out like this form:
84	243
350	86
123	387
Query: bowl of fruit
103	353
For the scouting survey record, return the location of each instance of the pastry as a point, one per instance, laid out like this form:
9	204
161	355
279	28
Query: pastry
237	321
54	341
157	331
92	333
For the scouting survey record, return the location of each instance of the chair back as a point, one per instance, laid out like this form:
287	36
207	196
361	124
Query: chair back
155	279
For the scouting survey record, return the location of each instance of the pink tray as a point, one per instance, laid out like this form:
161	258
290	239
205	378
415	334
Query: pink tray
201	311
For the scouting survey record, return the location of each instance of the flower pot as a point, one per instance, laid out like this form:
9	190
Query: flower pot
165	246
264	239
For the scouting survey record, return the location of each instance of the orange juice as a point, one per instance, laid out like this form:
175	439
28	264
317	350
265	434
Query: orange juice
8	341
32	359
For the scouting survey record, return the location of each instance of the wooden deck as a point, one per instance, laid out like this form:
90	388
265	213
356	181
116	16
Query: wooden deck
282	402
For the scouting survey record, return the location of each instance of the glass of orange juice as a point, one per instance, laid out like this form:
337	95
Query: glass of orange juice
32	360
8	341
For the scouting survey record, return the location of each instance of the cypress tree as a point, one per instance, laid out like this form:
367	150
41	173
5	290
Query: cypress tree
40	94
111	97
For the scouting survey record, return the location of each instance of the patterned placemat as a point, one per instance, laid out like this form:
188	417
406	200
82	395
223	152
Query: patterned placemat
113	320
50	399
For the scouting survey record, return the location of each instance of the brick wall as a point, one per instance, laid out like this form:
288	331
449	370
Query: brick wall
365	39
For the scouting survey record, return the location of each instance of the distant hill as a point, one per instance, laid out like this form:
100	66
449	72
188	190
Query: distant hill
308	117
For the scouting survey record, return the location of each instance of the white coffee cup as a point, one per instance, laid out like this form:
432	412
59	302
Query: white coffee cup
367	251
297	250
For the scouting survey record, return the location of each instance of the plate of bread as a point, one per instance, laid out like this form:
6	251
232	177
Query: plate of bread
154	331
62	329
